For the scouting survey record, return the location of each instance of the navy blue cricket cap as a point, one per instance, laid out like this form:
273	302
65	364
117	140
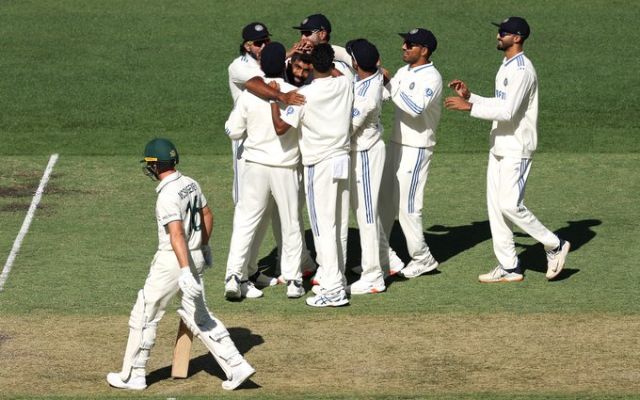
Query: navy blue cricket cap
255	31
272	59
314	22
423	37
515	25
364	52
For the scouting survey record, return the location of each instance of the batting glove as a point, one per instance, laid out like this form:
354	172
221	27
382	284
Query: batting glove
188	283
206	253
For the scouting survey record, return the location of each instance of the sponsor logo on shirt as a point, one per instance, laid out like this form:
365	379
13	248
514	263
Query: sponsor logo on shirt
502	95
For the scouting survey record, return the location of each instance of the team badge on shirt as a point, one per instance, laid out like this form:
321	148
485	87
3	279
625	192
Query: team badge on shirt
428	92
413	84
505	82
355	112
289	110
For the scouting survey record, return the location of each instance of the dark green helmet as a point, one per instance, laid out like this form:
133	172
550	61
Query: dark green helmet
159	155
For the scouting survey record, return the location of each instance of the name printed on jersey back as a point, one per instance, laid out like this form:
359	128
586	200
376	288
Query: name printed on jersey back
190	188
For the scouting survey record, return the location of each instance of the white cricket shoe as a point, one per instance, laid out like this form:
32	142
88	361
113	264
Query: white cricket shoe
316	289
395	263
248	290
365	287
295	289
415	269
239	374
325	299
499	274
134	383
262	280
556	258
232	288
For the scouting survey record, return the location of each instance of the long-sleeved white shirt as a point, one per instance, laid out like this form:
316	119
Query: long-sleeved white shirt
513	110
417	95
324	121
252	116
365	117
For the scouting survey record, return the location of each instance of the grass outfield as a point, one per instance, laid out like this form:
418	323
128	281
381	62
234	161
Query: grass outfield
94	81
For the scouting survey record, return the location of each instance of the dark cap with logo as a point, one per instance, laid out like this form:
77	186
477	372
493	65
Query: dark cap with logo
423	37
255	31
515	25
364	52
314	22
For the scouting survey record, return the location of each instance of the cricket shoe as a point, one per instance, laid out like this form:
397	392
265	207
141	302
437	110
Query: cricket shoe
335	299
239	374
294	289
232	289
250	291
365	287
262	280
415	269
499	274
134	382
395	263
556	258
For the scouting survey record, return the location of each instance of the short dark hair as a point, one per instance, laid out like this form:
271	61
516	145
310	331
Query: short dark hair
322	57
304	57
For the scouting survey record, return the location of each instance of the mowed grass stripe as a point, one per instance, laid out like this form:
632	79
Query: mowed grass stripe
345	356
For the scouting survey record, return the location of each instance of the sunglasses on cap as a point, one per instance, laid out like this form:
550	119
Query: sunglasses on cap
309	33
259	43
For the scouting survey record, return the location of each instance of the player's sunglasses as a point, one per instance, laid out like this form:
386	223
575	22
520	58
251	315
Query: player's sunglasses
309	33
260	43
505	33
410	45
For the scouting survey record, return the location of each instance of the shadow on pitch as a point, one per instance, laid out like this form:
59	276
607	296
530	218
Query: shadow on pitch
244	340
578	233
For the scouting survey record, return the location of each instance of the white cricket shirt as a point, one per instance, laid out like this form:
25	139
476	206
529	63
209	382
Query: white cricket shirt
252	115
365	117
240	71
324	121
513	110
417	94
179	199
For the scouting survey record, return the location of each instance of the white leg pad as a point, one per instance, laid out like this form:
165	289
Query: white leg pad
142	337
216	338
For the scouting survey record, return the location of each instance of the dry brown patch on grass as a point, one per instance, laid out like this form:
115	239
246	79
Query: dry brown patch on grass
327	353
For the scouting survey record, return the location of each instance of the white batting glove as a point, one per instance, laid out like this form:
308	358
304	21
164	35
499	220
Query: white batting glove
188	283
206	253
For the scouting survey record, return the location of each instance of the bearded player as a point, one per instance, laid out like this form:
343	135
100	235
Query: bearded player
185	223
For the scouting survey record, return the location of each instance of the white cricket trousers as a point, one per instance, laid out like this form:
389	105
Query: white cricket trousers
405	177
366	176
506	182
159	288
258	184
328	207
271	215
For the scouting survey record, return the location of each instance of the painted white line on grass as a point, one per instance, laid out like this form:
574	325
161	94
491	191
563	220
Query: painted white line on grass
27	221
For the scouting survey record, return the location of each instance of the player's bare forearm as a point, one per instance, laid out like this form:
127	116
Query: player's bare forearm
207	220
457	103
258	87
179	242
460	88
279	125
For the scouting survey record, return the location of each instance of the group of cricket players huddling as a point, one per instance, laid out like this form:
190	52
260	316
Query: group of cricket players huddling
306	125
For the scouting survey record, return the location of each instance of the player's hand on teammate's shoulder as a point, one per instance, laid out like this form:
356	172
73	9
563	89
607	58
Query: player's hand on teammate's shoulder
292	98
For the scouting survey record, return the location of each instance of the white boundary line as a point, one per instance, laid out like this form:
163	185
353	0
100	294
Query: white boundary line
27	221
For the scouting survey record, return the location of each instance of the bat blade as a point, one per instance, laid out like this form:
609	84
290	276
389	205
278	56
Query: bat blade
182	352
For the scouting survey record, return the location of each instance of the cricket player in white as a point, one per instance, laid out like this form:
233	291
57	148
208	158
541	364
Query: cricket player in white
324	124
367	163
271	168
185	223
514	137
416	91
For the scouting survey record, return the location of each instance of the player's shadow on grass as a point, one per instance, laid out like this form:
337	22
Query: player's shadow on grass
244	340
578	233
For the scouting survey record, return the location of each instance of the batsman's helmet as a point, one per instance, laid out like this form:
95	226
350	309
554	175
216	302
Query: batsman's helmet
159	155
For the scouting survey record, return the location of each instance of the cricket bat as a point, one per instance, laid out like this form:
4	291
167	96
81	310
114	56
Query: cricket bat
182	352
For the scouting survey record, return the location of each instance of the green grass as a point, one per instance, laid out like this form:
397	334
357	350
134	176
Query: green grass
94	81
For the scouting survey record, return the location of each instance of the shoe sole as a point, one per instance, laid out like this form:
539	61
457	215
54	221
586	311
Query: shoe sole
502	280
432	267
564	254
116	385
333	304
370	291
240	382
